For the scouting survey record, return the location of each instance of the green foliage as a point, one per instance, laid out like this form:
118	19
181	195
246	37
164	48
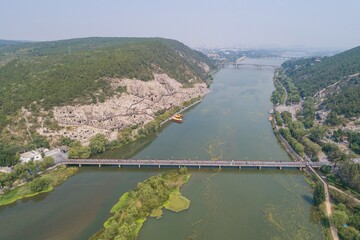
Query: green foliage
297	129
317	133
78	151
354	141
298	147
339	218
136	205
292	91
44	183
308	112
278	119
278	96
349	233
8	155
287	117
66	141
310	75
48	74
333	119
333	152
98	144
26	171
319	194
347	100
347	221
39	185
38	142
325	169
349	174
311	148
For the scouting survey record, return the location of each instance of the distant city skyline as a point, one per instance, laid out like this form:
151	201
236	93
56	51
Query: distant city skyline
322	24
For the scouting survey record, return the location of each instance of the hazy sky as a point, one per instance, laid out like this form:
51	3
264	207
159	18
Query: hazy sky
198	23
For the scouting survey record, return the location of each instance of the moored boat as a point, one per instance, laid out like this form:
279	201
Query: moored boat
177	118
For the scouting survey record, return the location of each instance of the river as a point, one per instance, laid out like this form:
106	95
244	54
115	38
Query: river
230	123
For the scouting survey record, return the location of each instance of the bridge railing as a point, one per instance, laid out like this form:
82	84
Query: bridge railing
185	162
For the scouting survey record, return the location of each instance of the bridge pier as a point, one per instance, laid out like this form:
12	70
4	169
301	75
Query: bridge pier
119	165
159	166
139	165
79	165
239	167
259	167
280	168
99	165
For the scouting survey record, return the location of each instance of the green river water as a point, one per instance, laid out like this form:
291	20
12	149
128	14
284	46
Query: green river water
230	123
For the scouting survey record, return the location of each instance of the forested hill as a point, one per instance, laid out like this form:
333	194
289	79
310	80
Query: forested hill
312	74
60	72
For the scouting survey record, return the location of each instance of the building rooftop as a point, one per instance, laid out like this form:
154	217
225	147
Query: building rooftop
30	154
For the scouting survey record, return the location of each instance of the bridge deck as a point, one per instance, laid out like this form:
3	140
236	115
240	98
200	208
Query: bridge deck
190	163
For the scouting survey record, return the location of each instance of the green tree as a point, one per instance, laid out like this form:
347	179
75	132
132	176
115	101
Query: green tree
333	119
339	218
98	143
349	233
319	194
39	184
78	151
317	133
287	117
45	163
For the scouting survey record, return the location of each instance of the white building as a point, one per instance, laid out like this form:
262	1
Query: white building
32	155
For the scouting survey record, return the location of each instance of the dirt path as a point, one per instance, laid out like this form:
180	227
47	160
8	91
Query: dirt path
27	128
322	157
333	230
348	195
286	94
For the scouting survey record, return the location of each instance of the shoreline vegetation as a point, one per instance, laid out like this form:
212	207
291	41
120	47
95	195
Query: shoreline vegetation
147	199
40	184
99	144
308	135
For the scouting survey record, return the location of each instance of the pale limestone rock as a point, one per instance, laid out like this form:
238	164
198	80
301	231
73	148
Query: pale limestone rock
137	106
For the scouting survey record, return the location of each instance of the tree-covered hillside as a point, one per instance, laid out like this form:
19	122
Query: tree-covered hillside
347	100
312	74
62	72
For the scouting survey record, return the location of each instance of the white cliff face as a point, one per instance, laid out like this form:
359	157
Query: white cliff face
137	106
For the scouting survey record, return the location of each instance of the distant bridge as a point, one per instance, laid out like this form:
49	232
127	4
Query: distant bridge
239	164
258	66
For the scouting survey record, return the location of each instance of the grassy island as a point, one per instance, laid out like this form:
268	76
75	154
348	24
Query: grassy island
147	199
44	183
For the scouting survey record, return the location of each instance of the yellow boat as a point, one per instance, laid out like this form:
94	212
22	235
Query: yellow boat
177	118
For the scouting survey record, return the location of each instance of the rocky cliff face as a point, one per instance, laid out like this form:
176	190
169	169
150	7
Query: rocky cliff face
137	105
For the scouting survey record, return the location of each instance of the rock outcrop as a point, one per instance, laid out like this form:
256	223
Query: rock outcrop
137	105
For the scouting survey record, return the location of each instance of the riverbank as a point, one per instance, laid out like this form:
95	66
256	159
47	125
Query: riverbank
137	103
147	199
42	184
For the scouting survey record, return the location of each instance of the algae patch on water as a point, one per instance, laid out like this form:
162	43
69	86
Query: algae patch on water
147	199
177	202
157	213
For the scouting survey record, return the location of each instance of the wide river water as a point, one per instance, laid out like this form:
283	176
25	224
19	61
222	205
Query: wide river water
230	123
